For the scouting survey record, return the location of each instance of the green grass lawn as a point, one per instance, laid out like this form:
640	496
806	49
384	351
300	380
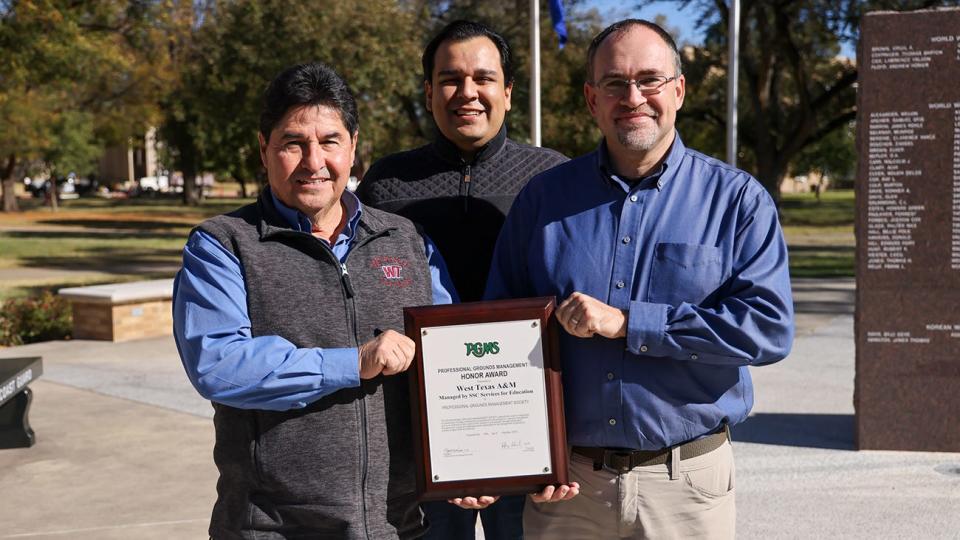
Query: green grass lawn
820	233
91	241
102	241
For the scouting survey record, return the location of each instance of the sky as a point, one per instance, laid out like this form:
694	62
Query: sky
682	20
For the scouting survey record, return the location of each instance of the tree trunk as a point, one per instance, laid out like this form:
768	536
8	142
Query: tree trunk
770	173
10	186
52	194
188	159
243	185
191	197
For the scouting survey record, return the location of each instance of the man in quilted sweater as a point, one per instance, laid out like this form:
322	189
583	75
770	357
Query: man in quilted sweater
459	188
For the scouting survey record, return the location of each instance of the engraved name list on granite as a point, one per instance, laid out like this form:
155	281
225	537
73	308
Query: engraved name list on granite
907	394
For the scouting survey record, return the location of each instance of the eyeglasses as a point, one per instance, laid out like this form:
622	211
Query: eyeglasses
648	86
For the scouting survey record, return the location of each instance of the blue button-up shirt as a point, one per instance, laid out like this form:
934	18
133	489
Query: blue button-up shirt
211	326
694	254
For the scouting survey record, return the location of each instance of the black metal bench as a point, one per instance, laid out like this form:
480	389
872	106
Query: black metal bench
15	398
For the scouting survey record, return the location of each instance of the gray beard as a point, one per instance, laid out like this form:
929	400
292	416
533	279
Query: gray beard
640	140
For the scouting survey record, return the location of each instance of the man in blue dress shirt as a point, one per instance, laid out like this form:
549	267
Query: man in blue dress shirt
288	317
671	272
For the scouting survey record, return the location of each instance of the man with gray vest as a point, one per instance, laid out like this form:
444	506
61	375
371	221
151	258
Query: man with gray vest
287	316
458	188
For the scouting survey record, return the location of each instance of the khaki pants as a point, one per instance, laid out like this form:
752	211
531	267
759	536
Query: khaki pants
643	502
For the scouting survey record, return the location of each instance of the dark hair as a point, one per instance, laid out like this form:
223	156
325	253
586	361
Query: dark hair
620	27
461	30
308	84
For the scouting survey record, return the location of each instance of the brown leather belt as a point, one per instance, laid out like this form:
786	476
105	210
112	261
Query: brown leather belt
624	460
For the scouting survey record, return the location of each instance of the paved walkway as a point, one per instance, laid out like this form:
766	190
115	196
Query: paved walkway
124	446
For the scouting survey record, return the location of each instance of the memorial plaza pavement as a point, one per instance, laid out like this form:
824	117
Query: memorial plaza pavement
124	446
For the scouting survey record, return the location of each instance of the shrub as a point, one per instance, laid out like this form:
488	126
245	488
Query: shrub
33	319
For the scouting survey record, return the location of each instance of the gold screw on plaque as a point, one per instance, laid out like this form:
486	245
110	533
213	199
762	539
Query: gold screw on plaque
534	325
436	477
546	469
424	332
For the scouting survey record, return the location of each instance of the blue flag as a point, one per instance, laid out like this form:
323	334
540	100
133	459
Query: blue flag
559	26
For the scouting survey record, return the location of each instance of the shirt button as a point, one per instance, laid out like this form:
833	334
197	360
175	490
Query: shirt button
610	376
620	284
694	357
643	348
626	239
633	198
612	421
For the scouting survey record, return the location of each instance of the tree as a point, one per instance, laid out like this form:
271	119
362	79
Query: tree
65	61
76	148
240	45
181	102
833	156
795	89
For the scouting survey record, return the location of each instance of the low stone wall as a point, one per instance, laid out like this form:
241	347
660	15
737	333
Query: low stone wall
121	311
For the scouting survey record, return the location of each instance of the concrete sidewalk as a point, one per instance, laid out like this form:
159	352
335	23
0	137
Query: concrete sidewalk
124	446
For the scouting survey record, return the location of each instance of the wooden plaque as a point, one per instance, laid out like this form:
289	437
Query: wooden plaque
486	397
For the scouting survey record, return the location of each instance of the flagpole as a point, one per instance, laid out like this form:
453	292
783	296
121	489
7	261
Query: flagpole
733	64
535	72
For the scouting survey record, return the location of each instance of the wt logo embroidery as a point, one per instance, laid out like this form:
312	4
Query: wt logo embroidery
391	271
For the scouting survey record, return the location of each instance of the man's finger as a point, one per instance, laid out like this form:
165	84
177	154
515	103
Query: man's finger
471	502
407	360
408	347
544	495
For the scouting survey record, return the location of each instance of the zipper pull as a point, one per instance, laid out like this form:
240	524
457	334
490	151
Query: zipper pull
466	183
345	278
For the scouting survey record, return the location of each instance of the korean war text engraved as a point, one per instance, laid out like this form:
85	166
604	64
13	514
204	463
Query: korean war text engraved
908	232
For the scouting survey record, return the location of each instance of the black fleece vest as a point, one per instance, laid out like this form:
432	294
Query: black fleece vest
342	467
461	206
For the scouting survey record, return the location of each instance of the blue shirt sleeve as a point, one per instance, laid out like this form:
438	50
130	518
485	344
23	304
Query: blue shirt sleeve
508	270
752	324
224	362
443	290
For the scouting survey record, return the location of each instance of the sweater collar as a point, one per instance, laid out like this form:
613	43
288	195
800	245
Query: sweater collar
656	178
278	216
450	153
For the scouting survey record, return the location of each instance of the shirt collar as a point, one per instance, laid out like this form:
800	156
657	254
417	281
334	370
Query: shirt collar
449	151
300	222
657	178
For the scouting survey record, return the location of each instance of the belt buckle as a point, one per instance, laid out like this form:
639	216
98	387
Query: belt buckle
619	461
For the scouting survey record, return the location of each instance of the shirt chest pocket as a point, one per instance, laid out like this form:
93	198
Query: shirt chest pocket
684	273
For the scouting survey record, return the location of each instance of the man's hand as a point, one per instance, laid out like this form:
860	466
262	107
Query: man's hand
474	503
584	316
559	493
389	353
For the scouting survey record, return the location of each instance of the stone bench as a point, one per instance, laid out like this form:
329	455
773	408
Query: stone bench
15	398
122	311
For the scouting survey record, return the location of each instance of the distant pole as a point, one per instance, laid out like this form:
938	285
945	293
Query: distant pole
733	61
535	72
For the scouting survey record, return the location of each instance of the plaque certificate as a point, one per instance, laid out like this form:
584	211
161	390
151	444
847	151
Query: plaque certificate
485	392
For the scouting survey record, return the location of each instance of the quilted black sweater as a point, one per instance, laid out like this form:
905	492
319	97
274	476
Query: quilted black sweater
460	205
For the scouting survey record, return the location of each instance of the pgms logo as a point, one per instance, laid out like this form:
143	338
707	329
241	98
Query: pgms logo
479	349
